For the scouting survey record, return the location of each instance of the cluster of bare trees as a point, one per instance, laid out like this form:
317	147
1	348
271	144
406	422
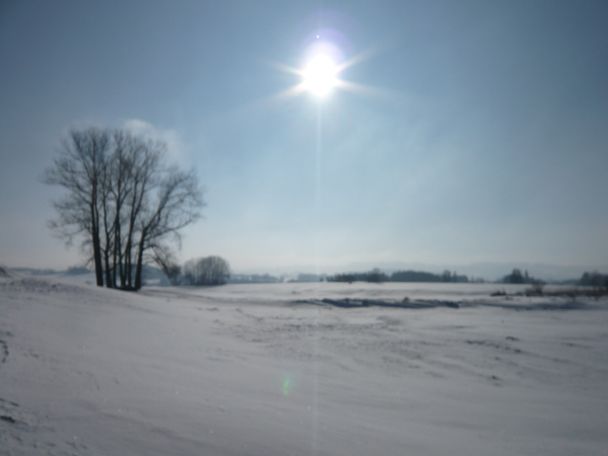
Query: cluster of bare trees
123	199
211	270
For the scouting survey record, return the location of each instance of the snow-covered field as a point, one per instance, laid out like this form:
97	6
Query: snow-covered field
273	370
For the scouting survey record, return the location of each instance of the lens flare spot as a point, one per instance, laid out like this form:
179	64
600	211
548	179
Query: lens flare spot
286	385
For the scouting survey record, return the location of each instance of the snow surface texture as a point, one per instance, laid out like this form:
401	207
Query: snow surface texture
278	370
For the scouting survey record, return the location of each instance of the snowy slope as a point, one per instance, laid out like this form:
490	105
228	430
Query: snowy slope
245	370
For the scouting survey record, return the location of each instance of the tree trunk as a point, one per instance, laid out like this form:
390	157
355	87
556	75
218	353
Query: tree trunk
96	244
109	281
117	259
116	251
128	272
140	259
128	268
97	259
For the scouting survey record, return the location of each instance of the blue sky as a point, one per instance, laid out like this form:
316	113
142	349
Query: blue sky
481	135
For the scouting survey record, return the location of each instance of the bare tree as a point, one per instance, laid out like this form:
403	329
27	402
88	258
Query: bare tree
142	163
119	191
165	259
79	169
123	198
175	204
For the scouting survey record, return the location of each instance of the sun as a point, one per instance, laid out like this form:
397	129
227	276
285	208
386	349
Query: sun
320	75
320	72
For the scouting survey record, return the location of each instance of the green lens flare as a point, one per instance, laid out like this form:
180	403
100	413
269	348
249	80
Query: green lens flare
286	386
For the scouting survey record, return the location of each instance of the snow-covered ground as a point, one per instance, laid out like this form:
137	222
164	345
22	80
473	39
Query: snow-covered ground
272	370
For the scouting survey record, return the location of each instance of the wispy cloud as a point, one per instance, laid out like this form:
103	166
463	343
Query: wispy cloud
176	149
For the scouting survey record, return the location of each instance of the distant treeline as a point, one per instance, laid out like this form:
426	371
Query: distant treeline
378	276
519	277
594	279
588	279
216	271
267	278
254	278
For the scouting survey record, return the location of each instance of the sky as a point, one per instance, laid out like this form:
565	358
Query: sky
476	133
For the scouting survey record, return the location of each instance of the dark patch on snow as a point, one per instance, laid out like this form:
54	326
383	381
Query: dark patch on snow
8	419
3	351
570	305
350	303
494	345
356	303
8	403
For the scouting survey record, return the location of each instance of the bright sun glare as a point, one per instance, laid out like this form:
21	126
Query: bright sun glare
320	75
